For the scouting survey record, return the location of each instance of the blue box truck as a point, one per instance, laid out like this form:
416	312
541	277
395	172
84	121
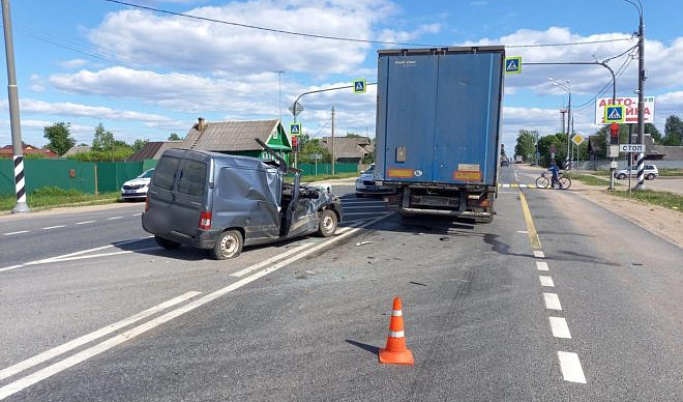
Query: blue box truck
438	129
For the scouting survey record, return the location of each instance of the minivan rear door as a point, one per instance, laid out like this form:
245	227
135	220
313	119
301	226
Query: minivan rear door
190	197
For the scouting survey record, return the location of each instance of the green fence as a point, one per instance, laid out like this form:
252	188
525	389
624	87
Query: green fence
326	168
70	174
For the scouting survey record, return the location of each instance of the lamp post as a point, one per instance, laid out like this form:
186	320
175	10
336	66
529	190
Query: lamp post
570	121
641	90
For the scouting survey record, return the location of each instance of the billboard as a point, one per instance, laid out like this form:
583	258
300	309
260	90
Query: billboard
630	109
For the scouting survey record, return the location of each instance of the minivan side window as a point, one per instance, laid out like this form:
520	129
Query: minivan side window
164	173
192	178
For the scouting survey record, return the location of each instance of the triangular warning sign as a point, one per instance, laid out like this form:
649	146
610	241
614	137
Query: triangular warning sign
512	65
614	114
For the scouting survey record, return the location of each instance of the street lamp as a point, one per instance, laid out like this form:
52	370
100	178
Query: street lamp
570	121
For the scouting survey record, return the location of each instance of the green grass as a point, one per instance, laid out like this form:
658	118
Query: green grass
671	172
321	177
590	180
54	196
662	198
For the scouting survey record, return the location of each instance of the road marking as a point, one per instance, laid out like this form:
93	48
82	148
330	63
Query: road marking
506	185
571	367
345	202
138	214
523	186
54	227
271	260
59	350
11	267
360	213
364	207
542	266
552	301
15	233
539	254
559	327
85	223
73	360
533	236
113	218
547	281
86	257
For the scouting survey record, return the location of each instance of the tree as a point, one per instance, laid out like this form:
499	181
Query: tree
103	140
174	137
526	143
673	131
139	144
308	147
60	138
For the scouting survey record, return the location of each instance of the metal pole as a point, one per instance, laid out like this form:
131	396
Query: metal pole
15	122
332	141
641	103
569	124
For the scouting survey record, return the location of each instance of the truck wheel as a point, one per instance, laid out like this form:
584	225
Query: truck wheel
328	223
167	244
228	245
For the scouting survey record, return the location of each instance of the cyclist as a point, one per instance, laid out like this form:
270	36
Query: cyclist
556	174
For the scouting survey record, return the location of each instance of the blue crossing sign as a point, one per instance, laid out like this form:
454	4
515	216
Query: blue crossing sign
359	86
295	128
513	65
615	114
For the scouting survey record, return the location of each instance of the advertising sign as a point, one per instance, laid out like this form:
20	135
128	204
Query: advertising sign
630	109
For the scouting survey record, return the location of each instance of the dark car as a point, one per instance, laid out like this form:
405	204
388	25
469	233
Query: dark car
223	202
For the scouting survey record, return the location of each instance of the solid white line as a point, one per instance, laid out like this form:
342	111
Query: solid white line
539	254
271	260
571	367
71	361
85	223
11	267
362	202
364	207
85	257
547	281
14	233
552	301
559	327
54	352
360	213
113	218
54	227
542	265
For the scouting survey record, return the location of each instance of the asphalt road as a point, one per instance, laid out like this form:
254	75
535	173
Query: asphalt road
481	316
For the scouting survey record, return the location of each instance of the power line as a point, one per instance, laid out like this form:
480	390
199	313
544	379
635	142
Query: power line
568	43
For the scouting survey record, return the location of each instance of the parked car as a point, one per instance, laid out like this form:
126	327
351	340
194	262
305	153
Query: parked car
650	172
366	184
136	189
223	202
504	161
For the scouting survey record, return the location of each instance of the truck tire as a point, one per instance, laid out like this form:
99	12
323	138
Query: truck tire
228	245
167	244
328	223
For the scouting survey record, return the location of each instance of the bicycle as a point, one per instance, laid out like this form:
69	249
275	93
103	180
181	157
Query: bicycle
544	182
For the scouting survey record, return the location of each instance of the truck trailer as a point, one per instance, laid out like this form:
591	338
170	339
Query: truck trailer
438	129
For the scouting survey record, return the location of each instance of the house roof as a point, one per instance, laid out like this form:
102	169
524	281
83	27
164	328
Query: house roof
8	152
153	150
79	149
349	147
231	135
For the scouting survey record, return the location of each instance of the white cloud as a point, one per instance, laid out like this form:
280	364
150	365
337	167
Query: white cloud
75	63
31	106
389	35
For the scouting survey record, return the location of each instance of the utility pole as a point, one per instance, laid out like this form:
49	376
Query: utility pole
279	92
641	94
15	123
332	141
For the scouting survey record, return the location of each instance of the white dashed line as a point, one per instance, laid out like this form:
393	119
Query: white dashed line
559	327
85	223
16	233
523	231
54	227
542	265
138	214
113	218
552	302
539	254
547	281
571	367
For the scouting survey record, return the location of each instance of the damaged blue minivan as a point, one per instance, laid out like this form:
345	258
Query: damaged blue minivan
221	202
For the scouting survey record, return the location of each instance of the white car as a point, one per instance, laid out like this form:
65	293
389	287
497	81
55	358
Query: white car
136	189
650	172
366	184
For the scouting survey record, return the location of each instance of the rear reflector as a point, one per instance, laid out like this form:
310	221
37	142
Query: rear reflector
205	220
147	204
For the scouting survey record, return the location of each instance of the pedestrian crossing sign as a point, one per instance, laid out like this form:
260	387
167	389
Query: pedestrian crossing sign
295	128
615	114
359	86
513	65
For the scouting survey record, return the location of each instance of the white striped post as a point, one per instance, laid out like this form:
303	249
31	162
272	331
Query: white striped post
641	172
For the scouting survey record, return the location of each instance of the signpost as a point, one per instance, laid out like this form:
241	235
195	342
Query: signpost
615	114
359	86
630	109
513	65
632	148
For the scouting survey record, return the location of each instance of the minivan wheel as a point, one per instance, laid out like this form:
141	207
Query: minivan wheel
167	244
228	245
650	176
621	176
328	223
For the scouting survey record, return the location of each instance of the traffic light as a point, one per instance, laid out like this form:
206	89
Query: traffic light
614	134
295	142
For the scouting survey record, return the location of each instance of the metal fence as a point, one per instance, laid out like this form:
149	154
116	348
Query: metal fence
326	168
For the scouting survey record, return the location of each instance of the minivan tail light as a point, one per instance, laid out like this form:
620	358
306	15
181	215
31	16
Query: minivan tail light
205	220
147	204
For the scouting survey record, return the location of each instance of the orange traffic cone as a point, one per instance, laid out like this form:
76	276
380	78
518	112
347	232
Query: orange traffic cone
396	351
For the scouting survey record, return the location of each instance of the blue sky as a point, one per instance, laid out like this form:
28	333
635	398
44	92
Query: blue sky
145	74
